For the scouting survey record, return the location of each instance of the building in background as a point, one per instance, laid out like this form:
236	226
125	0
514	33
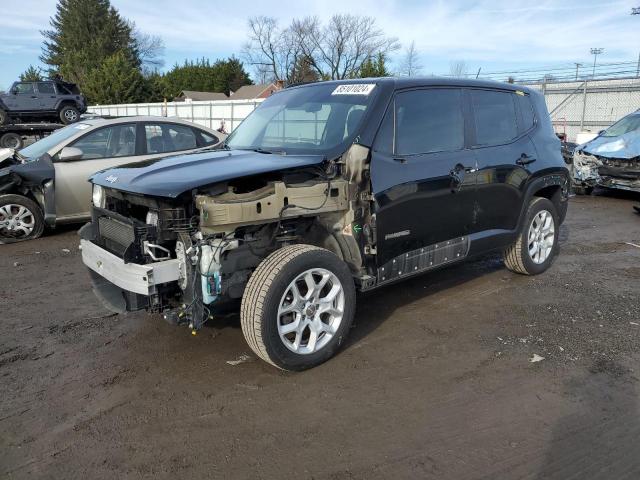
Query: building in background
252	92
192	96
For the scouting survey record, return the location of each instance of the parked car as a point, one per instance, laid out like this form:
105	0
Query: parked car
46	183
326	189
52	100
612	159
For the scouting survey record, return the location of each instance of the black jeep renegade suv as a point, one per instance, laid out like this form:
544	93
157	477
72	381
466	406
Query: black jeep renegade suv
326	189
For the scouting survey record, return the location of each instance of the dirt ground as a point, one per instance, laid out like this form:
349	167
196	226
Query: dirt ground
435	382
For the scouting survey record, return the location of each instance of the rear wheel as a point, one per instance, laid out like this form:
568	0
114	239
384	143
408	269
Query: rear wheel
20	219
11	140
537	245
69	114
298	307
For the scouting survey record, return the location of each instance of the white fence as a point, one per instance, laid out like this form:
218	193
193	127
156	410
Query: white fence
210	114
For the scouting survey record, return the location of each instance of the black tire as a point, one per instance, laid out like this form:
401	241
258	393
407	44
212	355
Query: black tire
4	118
517	257
69	114
269	285
11	140
10	204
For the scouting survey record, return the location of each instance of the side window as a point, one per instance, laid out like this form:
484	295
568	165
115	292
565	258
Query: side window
24	88
108	142
526	111
206	138
46	88
495	117
165	137
429	121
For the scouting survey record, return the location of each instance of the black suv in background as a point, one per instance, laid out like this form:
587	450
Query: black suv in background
51	100
326	189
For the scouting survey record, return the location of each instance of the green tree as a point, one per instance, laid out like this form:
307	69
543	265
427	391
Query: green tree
83	35
117	80
203	76
374	67
31	74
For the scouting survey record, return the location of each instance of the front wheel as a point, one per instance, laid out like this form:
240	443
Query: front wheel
20	219
298	307
537	244
69	114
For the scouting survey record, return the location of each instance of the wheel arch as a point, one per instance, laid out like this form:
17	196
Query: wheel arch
553	186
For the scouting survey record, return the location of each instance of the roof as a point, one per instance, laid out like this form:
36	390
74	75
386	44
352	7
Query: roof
409	82
249	92
203	96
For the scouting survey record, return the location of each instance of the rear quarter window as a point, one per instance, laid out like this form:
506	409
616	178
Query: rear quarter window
526	111
494	117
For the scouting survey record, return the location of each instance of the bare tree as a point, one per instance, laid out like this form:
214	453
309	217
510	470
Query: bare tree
271	50
150	49
411	64
458	68
333	51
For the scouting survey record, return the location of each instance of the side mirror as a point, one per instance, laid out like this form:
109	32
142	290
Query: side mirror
69	154
13	91
601	132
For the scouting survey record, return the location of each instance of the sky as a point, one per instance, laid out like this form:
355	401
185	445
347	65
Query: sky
491	35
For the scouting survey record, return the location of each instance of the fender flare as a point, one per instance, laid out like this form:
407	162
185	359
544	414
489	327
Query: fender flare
558	178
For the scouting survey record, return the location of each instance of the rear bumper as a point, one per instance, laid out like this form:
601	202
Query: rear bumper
131	277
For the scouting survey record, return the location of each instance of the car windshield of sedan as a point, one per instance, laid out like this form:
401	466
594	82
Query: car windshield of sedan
313	119
39	148
626	125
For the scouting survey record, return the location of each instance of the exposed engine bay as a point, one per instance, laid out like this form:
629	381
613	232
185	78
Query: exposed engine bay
211	239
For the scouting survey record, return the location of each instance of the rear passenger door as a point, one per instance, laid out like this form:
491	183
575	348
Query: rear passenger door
47	95
503	152
422	175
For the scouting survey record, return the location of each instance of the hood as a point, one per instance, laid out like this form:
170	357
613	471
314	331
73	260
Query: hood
171	176
625	146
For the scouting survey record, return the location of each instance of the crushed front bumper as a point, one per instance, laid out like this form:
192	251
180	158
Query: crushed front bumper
125	286
590	170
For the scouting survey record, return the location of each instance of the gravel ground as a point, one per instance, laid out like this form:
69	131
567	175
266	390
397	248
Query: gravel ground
436	381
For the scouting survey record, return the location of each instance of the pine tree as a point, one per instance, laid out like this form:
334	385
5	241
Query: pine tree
83	35
117	80
374	67
31	74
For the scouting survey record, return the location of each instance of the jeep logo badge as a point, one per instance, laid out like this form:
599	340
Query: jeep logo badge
111	179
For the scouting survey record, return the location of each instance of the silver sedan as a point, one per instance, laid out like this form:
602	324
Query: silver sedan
45	184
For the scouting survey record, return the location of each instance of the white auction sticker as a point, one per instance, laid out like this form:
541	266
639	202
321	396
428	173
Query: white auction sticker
354	89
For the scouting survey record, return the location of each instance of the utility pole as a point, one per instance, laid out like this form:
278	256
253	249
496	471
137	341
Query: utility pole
595	52
578	65
636	11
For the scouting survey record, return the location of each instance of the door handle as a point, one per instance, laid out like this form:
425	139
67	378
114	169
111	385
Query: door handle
399	159
525	159
34	96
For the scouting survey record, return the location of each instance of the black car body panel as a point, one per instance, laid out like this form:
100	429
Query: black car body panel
172	176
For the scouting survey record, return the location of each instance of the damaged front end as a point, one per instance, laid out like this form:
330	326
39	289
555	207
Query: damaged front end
612	159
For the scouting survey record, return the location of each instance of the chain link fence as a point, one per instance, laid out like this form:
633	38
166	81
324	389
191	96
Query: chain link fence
590	105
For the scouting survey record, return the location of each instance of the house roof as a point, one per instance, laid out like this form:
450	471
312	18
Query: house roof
249	92
200	96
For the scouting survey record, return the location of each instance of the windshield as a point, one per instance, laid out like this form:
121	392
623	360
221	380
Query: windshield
626	125
314	119
39	148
